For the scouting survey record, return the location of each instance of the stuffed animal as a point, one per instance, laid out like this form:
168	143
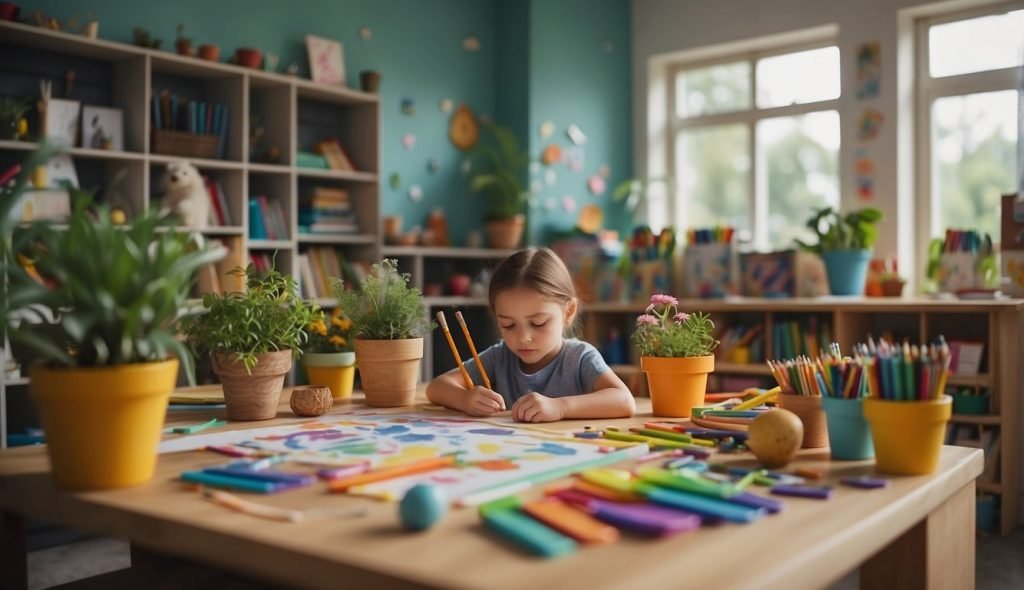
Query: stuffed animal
186	195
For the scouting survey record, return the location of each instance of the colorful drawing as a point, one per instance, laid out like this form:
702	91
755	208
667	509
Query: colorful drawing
869	69
488	454
870	124
864	174
326	62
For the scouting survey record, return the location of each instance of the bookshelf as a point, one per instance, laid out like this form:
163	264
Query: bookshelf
999	324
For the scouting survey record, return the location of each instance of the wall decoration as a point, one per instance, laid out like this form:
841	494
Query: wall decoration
576	135
471	44
574	157
550	177
569	203
395	181
596	185
408	141
546	129
463	130
551	155
446	105
408	106
326	62
365	33
61	121
869	69
103	128
870	124
433	165
415	193
864	174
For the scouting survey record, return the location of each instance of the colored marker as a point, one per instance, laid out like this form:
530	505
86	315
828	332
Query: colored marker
237	483
571	521
505	518
865	482
818	493
646	519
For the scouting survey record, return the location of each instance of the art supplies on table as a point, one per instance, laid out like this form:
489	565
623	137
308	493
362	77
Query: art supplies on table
194	428
904	372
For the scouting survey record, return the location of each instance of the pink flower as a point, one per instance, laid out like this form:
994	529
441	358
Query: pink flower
647	320
660	299
681	317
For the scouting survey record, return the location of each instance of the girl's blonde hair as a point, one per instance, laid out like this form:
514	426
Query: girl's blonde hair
538	269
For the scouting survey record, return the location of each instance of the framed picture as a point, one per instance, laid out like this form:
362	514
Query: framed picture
60	170
102	128
326	61
61	121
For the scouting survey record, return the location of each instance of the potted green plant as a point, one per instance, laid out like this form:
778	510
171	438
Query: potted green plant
892	284
328	355
500	171
12	111
676	354
252	338
182	43
97	304
389	323
845	244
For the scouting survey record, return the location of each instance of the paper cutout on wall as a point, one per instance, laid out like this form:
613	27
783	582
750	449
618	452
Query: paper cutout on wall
574	159
551	155
446	105
576	135
408	106
415	193
433	165
569	203
408	141
550	178
395	180
864	174
365	33
869	69
870	124
546	129
463	130
471	44
596	185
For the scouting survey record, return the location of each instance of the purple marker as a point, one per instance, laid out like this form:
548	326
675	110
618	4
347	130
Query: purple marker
696	453
865	482
755	501
818	493
642	519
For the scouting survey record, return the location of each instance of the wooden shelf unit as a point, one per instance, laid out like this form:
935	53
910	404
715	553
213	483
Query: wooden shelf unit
998	323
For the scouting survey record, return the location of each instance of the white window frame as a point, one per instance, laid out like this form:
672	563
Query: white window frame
758	190
928	89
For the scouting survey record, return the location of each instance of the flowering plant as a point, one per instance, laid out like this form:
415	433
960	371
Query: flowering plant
664	331
330	334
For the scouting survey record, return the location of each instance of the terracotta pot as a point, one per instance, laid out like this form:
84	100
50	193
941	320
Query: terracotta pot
103	424
369	80
390	370
252	396
677	384
184	48
808	409
505	233
392	226
248	57
9	11
209	52
892	288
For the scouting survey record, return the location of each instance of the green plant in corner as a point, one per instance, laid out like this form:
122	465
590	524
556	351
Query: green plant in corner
499	172
386	307
856	230
269	316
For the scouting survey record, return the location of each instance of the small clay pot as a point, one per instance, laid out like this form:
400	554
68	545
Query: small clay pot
370	81
892	288
248	57
184	48
209	52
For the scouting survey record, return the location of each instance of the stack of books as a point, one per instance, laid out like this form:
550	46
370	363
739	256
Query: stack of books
220	213
216	277
328	211
267	220
318	265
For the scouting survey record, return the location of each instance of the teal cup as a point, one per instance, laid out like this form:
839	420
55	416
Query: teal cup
848	432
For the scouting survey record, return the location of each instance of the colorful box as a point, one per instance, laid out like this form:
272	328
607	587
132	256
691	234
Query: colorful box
707	270
1012	245
787	273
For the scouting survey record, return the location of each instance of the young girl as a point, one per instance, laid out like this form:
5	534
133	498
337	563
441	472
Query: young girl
535	372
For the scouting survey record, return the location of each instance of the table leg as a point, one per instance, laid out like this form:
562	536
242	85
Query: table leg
13	550
937	553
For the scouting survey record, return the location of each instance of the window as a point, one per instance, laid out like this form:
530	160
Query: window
968	74
754	141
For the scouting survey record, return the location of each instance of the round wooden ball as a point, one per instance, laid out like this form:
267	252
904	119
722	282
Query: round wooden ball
311	401
422	506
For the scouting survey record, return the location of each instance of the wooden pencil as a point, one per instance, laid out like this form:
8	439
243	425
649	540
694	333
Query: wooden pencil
455	351
472	349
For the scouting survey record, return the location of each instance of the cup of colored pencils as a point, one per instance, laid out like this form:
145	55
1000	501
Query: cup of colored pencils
802	390
907	407
843	385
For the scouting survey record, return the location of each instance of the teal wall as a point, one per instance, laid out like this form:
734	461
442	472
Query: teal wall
537	61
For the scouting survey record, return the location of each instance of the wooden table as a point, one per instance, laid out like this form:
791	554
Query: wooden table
917	533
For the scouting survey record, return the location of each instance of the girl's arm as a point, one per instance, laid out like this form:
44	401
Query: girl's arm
610	399
448	390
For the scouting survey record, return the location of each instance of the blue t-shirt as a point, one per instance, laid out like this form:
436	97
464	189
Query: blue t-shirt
572	372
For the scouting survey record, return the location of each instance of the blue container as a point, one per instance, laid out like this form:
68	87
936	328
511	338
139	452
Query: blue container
985	517
847	270
848	432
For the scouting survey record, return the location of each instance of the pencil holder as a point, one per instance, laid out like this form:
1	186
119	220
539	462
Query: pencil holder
808	409
908	435
848	432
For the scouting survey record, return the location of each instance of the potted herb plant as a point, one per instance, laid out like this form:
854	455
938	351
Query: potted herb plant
676	353
389	323
502	170
328	355
183	44
97	304
845	243
252	338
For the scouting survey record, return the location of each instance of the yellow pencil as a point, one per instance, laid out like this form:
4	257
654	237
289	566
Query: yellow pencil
455	351
472	349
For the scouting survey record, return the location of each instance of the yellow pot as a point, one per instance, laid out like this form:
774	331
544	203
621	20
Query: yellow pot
336	370
908	435
103	424
677	385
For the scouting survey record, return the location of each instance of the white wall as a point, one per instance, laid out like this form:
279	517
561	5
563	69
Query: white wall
662	28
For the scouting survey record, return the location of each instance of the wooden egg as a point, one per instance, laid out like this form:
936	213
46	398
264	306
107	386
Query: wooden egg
422	507
311	401
775	437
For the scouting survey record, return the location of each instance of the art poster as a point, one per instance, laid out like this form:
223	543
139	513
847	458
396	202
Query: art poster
326	62
870	124
488	453
864	174
869	69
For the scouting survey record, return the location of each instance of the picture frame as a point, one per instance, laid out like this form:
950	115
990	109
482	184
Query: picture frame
326	61
103	128
61	121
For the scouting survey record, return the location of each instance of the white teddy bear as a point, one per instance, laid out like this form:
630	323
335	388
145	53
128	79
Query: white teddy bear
187	196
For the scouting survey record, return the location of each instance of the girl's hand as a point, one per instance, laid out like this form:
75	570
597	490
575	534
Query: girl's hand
534	407
482	402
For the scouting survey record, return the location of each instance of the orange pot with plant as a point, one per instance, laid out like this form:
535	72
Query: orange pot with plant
676	354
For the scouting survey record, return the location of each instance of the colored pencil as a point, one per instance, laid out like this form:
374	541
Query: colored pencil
424	465
233	502
472	349
455	351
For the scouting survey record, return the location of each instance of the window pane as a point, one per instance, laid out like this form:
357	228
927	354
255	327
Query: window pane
716	89
797	78
800	156
976	45
974	143
713	176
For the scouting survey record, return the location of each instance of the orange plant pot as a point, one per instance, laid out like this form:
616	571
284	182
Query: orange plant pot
677	385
